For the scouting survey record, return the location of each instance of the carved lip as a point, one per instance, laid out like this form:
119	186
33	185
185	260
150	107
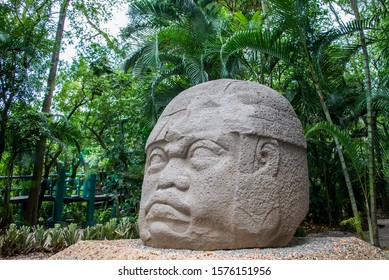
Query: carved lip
161	209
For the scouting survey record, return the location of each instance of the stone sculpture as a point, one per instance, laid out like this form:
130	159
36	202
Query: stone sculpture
226	168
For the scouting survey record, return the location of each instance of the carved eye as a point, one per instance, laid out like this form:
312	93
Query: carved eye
204	154
157	160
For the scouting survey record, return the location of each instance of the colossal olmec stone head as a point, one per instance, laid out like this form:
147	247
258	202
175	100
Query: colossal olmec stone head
226	168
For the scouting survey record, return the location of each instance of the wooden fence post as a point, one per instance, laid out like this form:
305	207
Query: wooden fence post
59	198
89	195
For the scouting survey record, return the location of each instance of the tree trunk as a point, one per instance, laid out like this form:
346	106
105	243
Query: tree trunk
374	238
31	212
7	217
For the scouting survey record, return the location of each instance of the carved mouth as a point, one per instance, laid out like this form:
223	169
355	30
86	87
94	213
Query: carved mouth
175	215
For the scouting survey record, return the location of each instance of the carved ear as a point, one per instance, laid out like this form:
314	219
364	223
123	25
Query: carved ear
259	155
267	157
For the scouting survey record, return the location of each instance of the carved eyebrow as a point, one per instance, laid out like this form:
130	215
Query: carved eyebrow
175	148
184	145
156	144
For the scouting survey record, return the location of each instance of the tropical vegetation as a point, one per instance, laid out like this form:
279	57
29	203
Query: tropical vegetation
93	113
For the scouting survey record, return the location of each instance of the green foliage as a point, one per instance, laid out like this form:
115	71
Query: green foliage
102	216
109	228
71	234
74	212
93	233
11	241
57	238
350	146
127	229
300	232
45	212
17	241
40	237
124	228
356	224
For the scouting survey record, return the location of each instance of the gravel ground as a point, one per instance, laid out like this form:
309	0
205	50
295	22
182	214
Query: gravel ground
328	245
303	248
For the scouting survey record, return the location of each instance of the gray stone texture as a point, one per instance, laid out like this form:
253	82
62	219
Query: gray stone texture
226	168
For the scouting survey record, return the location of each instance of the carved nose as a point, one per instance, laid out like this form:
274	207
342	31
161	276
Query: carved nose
173	176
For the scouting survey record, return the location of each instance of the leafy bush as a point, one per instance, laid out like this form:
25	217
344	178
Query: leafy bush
74	212
16	241
102	216
71	234
26	239
109	228
45	212
57	240
40	237
127	229
1	245
93	233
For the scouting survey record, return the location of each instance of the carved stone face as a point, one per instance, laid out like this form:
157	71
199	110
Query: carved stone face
213	163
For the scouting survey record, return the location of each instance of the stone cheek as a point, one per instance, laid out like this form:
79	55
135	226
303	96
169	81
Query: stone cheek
214	181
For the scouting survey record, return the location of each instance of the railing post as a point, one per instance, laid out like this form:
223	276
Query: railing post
90	189
59	198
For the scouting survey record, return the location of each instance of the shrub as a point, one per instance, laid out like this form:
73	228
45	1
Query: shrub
109	228
126	229
92	233
102	216
71	234
40	237
26	239
57	240
16	241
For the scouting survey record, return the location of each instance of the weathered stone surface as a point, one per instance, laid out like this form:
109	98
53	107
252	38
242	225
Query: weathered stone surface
226	168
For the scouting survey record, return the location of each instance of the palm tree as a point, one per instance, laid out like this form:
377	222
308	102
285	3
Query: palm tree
372	189
181	49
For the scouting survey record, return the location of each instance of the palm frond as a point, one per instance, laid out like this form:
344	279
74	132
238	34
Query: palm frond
64	134
195	70
351	147
380	101
325	39
260	41
143	59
